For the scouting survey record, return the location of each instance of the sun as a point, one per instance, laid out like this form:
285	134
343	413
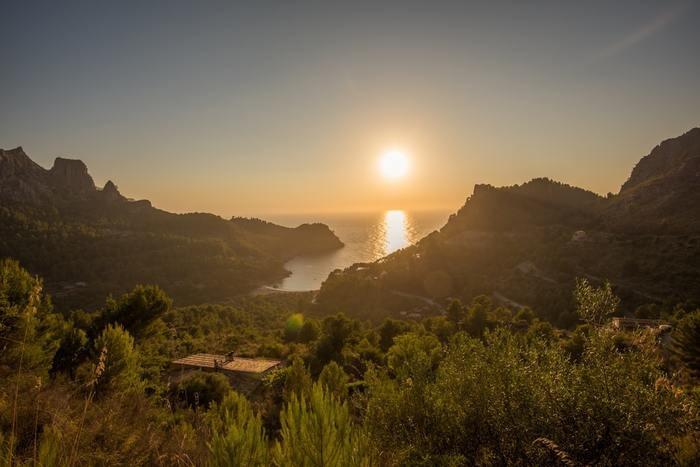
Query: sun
393	164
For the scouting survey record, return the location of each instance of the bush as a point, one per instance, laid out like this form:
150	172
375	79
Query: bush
686	343
334	380
200	389
595	304
490	400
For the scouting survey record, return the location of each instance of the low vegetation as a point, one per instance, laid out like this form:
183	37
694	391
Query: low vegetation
479	384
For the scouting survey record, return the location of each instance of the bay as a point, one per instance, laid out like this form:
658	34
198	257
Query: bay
367	237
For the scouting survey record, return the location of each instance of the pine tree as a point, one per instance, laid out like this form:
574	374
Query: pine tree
298	382
335	380
238	435
318	431
455	312
122	367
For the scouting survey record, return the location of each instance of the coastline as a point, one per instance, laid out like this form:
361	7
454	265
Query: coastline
270	290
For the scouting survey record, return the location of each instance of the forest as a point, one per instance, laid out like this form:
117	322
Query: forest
476	384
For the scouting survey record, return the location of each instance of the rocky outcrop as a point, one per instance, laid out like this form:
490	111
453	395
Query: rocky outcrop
71	175
24	181
675	159
21	179
15	162
110	192
662	194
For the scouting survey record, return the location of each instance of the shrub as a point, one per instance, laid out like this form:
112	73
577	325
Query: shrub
203	388
686	342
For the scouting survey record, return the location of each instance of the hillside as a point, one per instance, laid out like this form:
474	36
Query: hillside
526	244
88	242
538	202
662	193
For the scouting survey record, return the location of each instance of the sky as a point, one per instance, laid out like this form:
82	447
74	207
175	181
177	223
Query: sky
261	108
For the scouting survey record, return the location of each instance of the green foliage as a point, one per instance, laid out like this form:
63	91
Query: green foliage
475	321
238	436
389	329
51	449
541	330
29	333
28	329
121	366
455	311
488	389
524	315
686	342
440	327
136	309
310	331
200	389
414	356
318	431
491	400
575	345
336	332
71	351
247	325
595	304
334	380
298	381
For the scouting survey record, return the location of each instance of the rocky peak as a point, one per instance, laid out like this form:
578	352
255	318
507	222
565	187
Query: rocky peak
16	162
111	192
675	158
661	195
21	179
71	175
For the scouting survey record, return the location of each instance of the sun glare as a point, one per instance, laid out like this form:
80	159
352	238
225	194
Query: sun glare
393	164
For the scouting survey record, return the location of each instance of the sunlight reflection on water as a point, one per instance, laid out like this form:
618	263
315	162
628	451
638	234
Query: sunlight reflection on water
390	232
367	237
395	231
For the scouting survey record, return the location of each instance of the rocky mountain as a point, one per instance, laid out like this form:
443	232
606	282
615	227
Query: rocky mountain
21	179
524	245
663	191
64	228
24	181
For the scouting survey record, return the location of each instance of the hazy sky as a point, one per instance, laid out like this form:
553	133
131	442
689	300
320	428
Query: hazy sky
253	108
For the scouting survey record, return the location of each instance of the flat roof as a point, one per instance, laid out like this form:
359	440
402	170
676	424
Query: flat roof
237	364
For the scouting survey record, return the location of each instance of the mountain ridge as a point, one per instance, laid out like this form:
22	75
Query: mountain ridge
527	244
63	227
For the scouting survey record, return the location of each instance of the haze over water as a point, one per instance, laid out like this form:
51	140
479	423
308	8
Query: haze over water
367	237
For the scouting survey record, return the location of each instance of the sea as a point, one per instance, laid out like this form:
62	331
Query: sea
367	237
